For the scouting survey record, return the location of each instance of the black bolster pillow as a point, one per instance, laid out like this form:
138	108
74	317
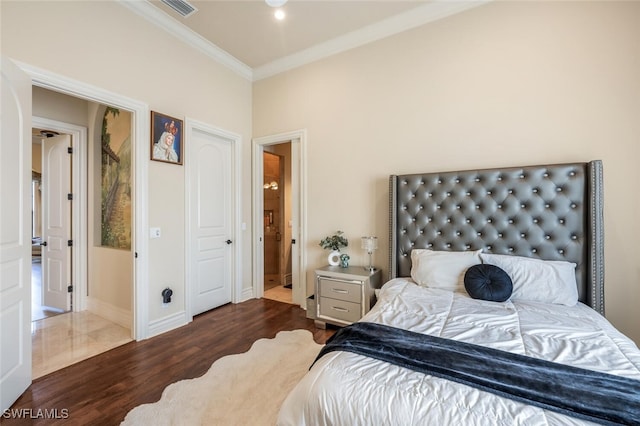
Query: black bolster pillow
488	282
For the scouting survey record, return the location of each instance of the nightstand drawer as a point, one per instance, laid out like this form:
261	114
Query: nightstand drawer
340	310
340	289
344	295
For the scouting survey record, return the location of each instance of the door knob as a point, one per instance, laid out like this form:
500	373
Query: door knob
228	241
44	243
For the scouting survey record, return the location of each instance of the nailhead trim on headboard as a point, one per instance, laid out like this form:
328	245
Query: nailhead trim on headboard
551	212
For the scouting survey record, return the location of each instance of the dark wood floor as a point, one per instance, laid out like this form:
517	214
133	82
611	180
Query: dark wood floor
102	389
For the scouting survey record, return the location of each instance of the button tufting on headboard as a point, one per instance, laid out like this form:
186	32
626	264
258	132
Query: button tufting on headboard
547	212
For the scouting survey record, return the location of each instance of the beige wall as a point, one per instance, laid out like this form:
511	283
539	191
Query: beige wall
36	157
508	83
59	107
106	45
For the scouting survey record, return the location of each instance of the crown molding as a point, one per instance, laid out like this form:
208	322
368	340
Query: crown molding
413	18
188	36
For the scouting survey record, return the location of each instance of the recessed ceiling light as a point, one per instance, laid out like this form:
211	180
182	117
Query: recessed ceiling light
279	14
276	3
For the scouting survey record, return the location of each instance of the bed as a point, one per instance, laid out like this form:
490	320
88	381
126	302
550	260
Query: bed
539	225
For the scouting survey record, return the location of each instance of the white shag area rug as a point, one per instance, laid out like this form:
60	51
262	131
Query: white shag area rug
242	389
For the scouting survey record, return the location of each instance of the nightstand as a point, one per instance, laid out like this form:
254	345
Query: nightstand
344	295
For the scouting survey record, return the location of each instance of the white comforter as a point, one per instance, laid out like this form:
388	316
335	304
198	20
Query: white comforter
348	389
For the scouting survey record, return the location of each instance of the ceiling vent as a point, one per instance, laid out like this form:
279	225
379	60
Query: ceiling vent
182	7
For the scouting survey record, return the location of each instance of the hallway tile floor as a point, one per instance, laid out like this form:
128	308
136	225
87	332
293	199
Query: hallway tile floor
275	291
279	294
65	339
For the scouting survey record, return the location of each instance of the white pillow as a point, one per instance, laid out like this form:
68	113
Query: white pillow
442	269
548	281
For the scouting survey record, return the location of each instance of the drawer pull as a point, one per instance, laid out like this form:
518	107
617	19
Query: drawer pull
339	290
325	278
338	308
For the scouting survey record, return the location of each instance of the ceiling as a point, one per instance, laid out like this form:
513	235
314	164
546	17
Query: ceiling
244	34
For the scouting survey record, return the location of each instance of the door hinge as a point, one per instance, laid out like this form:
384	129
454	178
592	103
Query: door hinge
69	150
135	254
70	243
69	289
70	197
293	241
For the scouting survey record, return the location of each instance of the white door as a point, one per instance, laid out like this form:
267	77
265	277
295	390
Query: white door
211	230
56	222
15	234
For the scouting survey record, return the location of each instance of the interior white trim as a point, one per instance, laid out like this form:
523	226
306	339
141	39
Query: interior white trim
140	131
167	323
413	18
236	279
295	136
247	294
187	35
79	206
117	315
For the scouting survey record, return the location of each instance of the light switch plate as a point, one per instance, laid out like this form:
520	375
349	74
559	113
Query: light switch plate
154	232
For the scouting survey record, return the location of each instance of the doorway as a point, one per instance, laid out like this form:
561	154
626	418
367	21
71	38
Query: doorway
75	179
290	148
21	79
137	316
86	313
276	161
44	302
74	211
91	211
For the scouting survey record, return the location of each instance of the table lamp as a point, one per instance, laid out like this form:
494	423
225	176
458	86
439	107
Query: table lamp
369	244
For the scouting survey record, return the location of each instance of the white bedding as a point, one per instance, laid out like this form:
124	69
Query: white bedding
348	389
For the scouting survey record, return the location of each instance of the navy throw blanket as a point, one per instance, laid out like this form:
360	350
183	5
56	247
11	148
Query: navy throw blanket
585	394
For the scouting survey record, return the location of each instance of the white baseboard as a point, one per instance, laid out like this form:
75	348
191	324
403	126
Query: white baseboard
167	323
247	294
109	312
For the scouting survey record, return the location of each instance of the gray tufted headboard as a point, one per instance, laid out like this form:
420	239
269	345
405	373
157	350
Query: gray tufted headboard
551	212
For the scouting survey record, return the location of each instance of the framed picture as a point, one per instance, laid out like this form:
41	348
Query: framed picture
167	144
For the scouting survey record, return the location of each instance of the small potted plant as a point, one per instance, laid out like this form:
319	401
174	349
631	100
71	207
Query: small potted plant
334	243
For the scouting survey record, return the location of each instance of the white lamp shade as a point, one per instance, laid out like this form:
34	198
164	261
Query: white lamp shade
369	243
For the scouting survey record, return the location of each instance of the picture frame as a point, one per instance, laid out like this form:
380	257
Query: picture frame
167	142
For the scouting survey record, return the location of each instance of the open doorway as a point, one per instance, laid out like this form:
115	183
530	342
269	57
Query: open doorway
45	303
22	80
290	148
82	226
277	224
